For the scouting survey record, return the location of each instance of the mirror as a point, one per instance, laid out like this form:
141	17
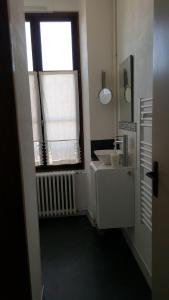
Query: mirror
126	92
105	96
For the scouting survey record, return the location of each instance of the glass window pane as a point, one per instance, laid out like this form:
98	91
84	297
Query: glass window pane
29	46
37	153
56	41
59	92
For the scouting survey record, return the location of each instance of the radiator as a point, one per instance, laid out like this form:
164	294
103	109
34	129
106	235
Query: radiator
146	194
56	194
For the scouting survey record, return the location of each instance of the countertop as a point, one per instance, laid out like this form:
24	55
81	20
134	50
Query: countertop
97	165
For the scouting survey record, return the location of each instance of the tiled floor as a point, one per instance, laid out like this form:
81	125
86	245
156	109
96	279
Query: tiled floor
80	264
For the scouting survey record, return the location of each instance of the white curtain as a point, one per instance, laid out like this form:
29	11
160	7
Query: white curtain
60	98
36	116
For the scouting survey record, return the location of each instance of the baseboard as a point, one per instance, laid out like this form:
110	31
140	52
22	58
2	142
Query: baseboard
90	218
42	293
139	259
76	214
82	212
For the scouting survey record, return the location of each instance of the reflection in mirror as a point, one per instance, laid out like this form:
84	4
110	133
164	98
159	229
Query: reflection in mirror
126	90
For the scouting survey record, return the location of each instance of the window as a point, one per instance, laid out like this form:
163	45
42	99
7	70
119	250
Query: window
55	89
56	53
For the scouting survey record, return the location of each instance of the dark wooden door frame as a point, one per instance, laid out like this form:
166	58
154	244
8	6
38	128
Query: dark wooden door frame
15	269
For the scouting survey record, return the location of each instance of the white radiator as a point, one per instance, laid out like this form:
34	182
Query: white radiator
146	162
56	194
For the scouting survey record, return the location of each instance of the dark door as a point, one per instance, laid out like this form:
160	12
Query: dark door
161	151
21	276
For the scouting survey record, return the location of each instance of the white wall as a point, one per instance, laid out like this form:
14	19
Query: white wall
82	184
135	36
100	38
135	28
97	44
85	180
52	5
100	43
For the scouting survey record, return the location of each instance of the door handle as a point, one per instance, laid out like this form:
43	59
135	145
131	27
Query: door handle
154	176
151	175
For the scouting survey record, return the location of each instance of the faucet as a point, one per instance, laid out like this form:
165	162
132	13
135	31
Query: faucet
123	141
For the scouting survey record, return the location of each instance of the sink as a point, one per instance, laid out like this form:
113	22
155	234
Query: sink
109	157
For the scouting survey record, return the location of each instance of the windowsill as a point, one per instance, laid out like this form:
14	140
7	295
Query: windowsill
60	168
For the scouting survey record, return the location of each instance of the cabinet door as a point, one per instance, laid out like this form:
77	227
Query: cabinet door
92	204
115	198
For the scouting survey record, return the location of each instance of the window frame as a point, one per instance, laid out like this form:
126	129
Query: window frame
73	17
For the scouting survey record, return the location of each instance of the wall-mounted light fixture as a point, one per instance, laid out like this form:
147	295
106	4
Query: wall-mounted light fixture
105	95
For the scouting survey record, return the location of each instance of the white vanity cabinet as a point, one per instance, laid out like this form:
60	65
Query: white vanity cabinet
112	196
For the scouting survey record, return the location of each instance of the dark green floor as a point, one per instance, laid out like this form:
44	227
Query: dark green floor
80	264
